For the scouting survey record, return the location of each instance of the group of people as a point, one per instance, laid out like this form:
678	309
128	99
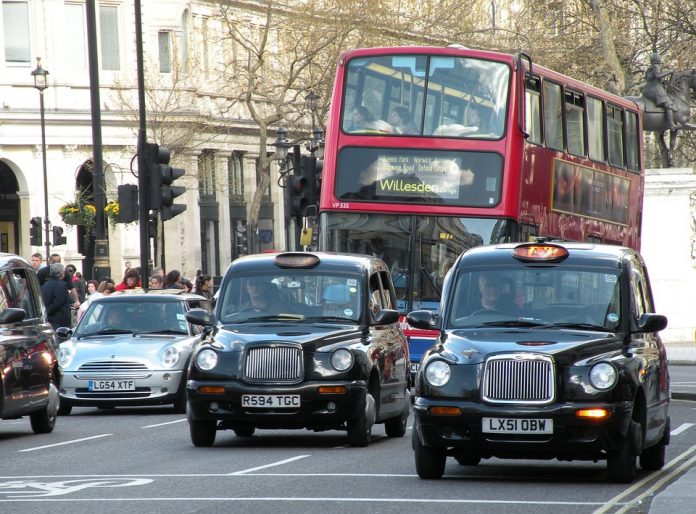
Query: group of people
400	119
66	295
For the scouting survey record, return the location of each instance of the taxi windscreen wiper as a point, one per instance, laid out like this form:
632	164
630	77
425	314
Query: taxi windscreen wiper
273	317
579	326
330	319
515	323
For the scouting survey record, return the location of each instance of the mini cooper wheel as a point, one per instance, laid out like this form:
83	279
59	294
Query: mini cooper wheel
430	462
202	432
653	458
621	462
246	431
360	429
396	427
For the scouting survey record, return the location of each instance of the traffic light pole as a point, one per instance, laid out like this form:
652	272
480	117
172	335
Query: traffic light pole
143	172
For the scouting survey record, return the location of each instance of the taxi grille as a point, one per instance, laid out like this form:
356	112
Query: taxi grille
277	364
519	378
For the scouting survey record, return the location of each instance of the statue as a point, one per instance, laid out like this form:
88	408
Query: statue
666	106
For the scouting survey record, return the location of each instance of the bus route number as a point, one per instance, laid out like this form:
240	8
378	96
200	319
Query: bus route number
340	205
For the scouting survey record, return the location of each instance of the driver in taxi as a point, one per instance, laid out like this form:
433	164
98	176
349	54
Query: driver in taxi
495	295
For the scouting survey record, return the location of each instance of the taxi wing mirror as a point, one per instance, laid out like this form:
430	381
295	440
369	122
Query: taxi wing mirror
650	322
386	317
200	317
11	315
424	319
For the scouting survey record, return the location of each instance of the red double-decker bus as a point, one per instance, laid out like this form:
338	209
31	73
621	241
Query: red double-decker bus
430	151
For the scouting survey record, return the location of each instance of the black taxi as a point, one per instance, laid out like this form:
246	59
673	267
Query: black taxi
546	350
300	340
31	374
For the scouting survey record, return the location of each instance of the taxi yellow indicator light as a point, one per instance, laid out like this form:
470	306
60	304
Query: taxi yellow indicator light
536	252
446	411
296	260
211	390
332	390
592	413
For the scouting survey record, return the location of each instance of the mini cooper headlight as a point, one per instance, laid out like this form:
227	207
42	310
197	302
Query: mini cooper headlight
603	376
66	353
342	359
206	359
438	373
170	357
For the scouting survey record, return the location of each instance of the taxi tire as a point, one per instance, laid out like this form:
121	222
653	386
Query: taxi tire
64	410
430	462
360	429
247	431
202	432
44	421
396	427
653	458
621	463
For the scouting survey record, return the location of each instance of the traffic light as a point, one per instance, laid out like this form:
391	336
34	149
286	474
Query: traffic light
242	240
162	175
297	187
127	203
309	172
35	238
58	238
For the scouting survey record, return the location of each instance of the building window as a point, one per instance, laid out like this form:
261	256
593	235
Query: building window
184	42
75	54
15	23
108	27
206	173
236	175
164	40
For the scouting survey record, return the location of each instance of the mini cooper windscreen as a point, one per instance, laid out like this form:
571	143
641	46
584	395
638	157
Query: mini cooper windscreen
292	295
557	296
128	316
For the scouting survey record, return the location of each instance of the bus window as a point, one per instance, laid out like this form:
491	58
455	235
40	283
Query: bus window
553	116
632	142
532	115
575	122
615	133
595	129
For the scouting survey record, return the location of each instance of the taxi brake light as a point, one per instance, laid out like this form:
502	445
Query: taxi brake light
445	411
592	413
536	252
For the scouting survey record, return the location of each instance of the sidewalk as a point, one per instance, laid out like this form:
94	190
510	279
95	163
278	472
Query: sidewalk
681	353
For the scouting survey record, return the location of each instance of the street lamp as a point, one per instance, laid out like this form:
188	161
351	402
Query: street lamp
41	83
282	146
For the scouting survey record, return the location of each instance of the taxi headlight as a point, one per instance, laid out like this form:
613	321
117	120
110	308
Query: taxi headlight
206	359
438	373
603	376
342	359
66	353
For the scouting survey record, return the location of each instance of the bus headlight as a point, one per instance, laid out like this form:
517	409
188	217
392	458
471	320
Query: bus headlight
603	376
206	359
342	359
438	373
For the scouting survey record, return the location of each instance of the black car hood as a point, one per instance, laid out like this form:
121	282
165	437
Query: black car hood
310	336
471	346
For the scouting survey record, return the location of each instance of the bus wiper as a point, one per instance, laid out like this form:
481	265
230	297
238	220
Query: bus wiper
430	279
580	326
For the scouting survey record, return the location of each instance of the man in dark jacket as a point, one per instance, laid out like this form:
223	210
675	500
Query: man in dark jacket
55	297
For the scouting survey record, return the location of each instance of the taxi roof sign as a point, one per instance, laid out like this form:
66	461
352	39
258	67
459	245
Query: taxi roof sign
540	252
296	260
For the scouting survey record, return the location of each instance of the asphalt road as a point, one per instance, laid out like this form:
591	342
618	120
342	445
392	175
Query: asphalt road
142	460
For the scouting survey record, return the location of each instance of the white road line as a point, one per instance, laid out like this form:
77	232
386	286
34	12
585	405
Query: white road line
279	463
162	424
65	442
681	428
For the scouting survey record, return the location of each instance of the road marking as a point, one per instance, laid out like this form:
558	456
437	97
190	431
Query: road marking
162	424
681	428
666	476
65	442
279	463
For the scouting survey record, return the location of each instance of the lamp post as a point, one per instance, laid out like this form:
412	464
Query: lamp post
41	83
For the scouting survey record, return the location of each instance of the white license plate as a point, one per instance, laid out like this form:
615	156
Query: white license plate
111	385
517	426
271	401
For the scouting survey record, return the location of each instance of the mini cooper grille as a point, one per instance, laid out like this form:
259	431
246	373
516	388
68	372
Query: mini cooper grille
273	364
112	366
518	378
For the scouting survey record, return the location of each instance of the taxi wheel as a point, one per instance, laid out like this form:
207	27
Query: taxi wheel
246	431
653	458
360	429
202	432
621	463
430	462
396	427
64	410
468	460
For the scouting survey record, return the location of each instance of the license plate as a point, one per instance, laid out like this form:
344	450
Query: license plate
414	367
111	385
271	401
517	426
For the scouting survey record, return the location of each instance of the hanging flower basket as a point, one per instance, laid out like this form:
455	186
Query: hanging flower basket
74	213
111	211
